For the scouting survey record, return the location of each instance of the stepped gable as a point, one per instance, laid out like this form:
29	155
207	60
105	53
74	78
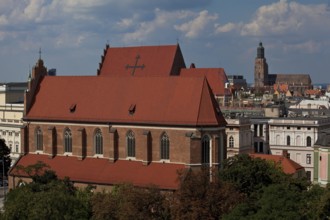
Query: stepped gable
186	101
216	77
142	61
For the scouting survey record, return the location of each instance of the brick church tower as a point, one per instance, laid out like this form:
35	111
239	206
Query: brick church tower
260	69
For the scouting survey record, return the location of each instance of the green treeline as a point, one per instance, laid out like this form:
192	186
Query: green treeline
246	188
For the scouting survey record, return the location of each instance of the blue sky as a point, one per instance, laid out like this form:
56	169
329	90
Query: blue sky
212	33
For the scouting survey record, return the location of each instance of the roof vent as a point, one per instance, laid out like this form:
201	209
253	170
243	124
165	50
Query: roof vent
73	108
131	109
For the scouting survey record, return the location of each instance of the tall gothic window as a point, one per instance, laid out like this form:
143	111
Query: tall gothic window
164	147
206	150
67	141
39	139
130	141
309	141
98	142
288	140
231	142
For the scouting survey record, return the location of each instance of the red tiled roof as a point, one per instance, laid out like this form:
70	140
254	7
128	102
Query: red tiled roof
288	165
216	77
158	100
101	171
162	60
313	92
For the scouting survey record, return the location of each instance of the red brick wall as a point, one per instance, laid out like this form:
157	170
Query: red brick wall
183	149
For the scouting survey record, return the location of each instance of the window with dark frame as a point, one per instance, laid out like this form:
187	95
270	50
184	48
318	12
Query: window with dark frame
130	140
98	142
164	147
206	150
231	142
67	141
308	158
39	139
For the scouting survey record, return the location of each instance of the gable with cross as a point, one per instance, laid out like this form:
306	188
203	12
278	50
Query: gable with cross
135	66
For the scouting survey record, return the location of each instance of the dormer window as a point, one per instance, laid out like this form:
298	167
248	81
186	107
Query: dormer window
131	109
73	108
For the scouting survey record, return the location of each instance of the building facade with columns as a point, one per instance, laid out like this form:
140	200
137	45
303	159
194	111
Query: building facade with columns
296	137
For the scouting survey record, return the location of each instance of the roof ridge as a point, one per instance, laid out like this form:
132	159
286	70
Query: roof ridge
200	101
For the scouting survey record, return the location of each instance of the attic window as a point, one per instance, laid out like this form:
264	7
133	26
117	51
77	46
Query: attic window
131	109
73	108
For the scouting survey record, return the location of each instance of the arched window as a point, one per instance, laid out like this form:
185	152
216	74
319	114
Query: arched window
288	140
98	142
67	141
231	142
130	141
164	147
298	141
309	141
206	150
38	139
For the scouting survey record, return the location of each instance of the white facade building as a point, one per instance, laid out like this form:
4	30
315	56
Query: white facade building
260	133
239	136
11	114
296	137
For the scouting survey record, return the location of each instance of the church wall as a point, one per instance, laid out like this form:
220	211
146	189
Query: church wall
183	148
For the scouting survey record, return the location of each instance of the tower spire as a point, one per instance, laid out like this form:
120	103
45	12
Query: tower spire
39	53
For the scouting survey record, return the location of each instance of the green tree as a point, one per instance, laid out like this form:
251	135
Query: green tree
250	174
277	201
203	197
128	202
4	157
47	198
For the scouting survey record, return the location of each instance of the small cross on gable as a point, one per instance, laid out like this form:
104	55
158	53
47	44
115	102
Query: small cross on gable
135	66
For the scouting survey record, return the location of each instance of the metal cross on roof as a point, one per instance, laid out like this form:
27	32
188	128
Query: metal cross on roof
135	65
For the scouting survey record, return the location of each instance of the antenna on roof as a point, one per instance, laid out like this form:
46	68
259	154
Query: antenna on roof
39	53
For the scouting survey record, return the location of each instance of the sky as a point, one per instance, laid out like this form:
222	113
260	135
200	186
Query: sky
72	34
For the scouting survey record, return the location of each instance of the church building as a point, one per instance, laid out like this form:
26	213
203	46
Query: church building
296	83
136	121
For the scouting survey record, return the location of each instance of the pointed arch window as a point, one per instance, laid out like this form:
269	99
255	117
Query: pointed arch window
309	141
67	141
206	149
38	139
231	142
164	147
130	141
98	142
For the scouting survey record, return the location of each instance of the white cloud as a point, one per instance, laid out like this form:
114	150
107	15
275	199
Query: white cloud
286	18
197	25
306	47
226	28
143	29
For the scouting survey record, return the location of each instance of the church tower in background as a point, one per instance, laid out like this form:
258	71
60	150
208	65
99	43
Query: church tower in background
260	69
